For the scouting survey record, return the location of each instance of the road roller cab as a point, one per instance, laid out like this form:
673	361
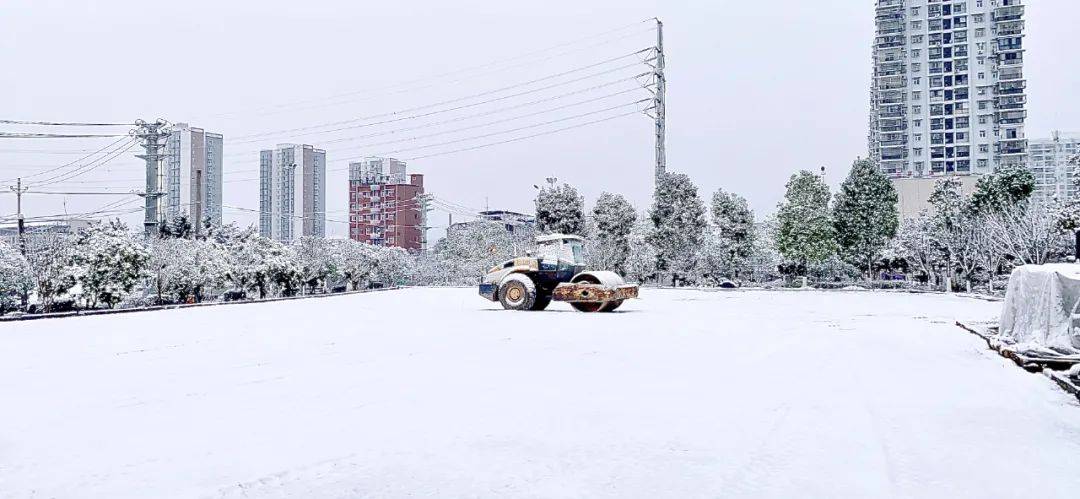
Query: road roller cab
555	270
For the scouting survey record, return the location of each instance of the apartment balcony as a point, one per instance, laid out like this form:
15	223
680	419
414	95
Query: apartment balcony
1008	14
1010	151
891	41
1011	88
1011	117
1011	102
1011	74
886	144
889	4
892	129
1010	62
1013	28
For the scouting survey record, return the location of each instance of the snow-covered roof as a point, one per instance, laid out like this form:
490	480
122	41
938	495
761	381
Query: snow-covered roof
556	237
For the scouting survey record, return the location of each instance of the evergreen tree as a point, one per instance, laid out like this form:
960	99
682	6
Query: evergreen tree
110	263
178	226
805	232
614	217
865	214
1006	187
678	223
560	210
735	231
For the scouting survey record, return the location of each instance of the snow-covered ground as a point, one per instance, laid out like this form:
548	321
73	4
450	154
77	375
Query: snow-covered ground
436	392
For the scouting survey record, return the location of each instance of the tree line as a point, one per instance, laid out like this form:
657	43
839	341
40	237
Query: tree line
856	234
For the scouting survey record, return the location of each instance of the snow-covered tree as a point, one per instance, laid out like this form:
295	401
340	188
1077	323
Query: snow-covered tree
953	226
714	263
1004	188
391	266
865	215
614	219
264	266
110	262
178	226
560	209
805	233
678	225
51	258
315	261
469	250
15	278
735	232
357	263
765	260
640	264
915	243
1027	232
188	269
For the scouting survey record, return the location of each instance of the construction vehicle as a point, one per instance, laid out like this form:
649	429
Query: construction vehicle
555	271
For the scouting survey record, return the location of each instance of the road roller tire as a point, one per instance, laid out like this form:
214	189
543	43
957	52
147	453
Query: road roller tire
517	292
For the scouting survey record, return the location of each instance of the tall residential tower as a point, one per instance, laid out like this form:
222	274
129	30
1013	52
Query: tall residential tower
948	93
292	192
193	165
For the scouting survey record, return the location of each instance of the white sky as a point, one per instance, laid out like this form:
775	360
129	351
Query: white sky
755	91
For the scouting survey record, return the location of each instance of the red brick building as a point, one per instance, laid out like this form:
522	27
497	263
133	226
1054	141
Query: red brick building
384	210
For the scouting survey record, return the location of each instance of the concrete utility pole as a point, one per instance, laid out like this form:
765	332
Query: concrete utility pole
425	208
19	190
152	135
658	104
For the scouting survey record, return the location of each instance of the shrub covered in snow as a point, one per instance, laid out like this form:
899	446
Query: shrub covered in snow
15	278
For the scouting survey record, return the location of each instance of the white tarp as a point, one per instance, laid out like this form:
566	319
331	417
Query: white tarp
1039	304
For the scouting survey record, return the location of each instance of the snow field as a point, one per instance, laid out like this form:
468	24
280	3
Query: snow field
437	392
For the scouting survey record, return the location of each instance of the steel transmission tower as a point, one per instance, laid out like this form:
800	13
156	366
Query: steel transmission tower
152	136
658	105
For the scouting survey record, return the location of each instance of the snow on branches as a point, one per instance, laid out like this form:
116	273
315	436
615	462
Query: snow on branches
560	210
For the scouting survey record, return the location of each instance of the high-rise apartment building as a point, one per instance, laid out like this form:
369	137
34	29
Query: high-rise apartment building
1053	161
386	205
193	169
948	93
292	192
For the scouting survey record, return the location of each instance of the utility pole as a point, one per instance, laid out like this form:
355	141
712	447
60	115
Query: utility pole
151	135
425	208
658	104
19	190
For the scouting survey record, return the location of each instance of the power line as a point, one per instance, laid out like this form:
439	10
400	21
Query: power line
76	161
89	167
482	113
475	137
518	139
512	130
404	86
85	193
453	101
22	135
60	123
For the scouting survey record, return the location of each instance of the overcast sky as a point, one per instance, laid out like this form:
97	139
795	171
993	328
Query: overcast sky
756	91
